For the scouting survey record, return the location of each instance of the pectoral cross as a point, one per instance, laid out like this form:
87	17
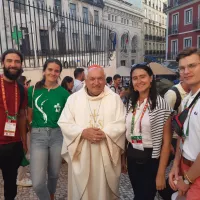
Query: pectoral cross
94	116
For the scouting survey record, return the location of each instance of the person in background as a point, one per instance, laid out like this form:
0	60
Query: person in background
46	101
148	132
22	178
109	81
24	82
13	105
116	88
68	83
79	78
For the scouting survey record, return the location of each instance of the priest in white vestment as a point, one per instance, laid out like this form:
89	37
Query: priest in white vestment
93	126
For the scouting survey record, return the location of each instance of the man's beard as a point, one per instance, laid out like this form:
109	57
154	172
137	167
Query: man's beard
11	76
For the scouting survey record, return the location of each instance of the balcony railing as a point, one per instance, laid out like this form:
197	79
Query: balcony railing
133	51
196	24
172	55
173	30
176	3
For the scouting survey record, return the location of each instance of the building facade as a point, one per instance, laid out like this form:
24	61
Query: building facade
183	26
154	30
125	19
70	30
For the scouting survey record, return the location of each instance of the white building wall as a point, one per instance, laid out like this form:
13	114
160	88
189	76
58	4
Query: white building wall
125	18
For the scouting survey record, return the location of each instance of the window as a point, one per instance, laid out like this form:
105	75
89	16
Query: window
187	42
127	21
96	17
87	42
188	16
75	41
85	14
41	4
19	5
112	17
44	40
115	18
174	49
149	14
198	41
153	16
132	62
98	42
175	19
123	63
108	16
122	20
73	9
57	4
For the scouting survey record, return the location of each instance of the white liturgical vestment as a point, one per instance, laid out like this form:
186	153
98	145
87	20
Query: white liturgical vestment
93	168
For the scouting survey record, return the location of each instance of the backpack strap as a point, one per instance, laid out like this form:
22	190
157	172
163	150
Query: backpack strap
178	97
113	87
22	94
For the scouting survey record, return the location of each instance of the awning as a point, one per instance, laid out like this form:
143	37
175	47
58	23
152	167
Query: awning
159	69
123	71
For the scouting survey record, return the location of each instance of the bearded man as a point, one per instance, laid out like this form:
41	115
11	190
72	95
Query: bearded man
13	101
93	126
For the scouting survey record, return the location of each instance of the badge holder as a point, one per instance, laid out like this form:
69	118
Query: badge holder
137	143
10	126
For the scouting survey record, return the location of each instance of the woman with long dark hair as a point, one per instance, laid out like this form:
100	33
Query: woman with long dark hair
68	83
148	134
46	101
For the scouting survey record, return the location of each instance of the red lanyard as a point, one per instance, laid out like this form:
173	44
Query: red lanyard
141	117
4	100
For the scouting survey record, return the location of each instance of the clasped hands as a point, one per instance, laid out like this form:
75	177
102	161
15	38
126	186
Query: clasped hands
94	135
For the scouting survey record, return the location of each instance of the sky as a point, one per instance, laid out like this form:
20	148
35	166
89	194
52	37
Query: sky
137	3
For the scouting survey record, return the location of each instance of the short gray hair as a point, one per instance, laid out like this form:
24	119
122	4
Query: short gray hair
87	70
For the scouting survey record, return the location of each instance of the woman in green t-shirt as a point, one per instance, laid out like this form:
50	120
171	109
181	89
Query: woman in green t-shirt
46	101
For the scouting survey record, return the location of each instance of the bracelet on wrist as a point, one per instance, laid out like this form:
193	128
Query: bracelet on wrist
187	178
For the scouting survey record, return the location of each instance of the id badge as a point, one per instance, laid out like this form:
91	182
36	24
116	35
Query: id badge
137	142
10	128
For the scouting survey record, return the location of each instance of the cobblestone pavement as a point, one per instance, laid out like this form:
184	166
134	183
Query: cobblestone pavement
26	193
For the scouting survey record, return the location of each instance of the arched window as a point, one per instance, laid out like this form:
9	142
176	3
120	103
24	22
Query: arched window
134	43
124	41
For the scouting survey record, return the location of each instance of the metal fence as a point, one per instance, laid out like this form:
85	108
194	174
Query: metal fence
41	32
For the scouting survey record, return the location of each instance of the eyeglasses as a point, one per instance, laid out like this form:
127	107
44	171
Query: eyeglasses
190	67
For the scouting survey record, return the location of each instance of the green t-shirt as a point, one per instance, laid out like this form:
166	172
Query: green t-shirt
47	106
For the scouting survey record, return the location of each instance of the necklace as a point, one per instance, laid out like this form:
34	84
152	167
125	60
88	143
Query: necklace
95	115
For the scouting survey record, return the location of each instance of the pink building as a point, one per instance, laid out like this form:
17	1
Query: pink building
183	26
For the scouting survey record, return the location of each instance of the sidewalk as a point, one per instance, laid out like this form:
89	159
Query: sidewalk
27	193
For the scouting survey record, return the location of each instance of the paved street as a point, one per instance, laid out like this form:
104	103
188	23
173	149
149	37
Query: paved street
25	193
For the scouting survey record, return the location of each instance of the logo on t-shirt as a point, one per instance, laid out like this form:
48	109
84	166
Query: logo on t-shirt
57	107
40	108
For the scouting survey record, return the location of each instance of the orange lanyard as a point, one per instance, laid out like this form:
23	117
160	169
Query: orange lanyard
142	115
4	100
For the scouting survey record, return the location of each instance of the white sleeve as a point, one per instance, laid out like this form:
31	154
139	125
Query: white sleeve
170	98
